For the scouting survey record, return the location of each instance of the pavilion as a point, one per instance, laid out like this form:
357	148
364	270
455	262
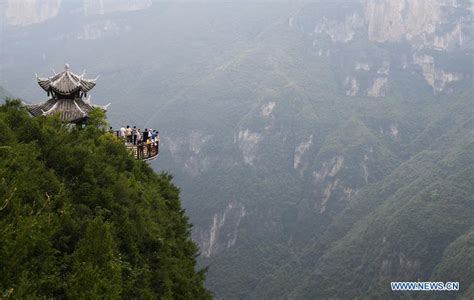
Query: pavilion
68	99
67	92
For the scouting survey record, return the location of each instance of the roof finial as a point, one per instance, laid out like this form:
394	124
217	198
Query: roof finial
66	67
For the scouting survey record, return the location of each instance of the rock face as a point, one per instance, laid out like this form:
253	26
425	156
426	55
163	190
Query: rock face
440	25
189	150
340	31
22	12
376	90
267	109
352	87
300	150
27	12
100	7
422	22
425	26
247	142
223	231
391	21
437	78
419	22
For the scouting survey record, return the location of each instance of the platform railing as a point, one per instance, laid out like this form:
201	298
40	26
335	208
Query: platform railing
141	151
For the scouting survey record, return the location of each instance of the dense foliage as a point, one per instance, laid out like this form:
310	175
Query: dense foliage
256	103
80	219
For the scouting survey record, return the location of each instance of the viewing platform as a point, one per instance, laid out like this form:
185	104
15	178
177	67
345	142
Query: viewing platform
141	151
144	152
67	92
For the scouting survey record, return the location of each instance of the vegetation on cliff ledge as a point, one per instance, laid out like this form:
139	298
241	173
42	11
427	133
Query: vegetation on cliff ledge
80	219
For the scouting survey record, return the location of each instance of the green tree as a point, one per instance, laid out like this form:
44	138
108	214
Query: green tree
81	219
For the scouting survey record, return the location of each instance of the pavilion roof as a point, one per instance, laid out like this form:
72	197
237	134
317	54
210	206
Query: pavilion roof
69	110
66	82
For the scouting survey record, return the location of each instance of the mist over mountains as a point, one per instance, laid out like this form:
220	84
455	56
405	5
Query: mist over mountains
323	149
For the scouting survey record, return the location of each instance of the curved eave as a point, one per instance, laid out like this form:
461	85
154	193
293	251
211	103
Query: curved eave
69	110
44	84
65	92
87	85
66	83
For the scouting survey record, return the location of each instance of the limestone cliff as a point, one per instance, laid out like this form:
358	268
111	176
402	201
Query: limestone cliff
420	22
27	12
93	7
421	28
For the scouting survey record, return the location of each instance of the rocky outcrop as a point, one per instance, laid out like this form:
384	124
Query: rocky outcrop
422	22
327	194
437	78
352	86
340	31
223	231
329	168
247	142
23	12
424	25
452	39
100	7
390	21
267	109
378	87
189	152
300	150
27	12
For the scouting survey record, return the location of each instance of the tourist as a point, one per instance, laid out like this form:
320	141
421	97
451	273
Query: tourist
129	134
122	133
148	147
139	136
145	135
140	150
134	135
145	143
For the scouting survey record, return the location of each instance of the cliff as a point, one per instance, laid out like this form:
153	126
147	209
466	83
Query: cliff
281	119
24	13
81	219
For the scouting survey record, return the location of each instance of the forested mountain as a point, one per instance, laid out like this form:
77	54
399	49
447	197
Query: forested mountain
81	219
324	148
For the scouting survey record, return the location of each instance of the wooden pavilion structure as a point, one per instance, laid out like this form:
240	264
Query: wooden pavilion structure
67	92
68	98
